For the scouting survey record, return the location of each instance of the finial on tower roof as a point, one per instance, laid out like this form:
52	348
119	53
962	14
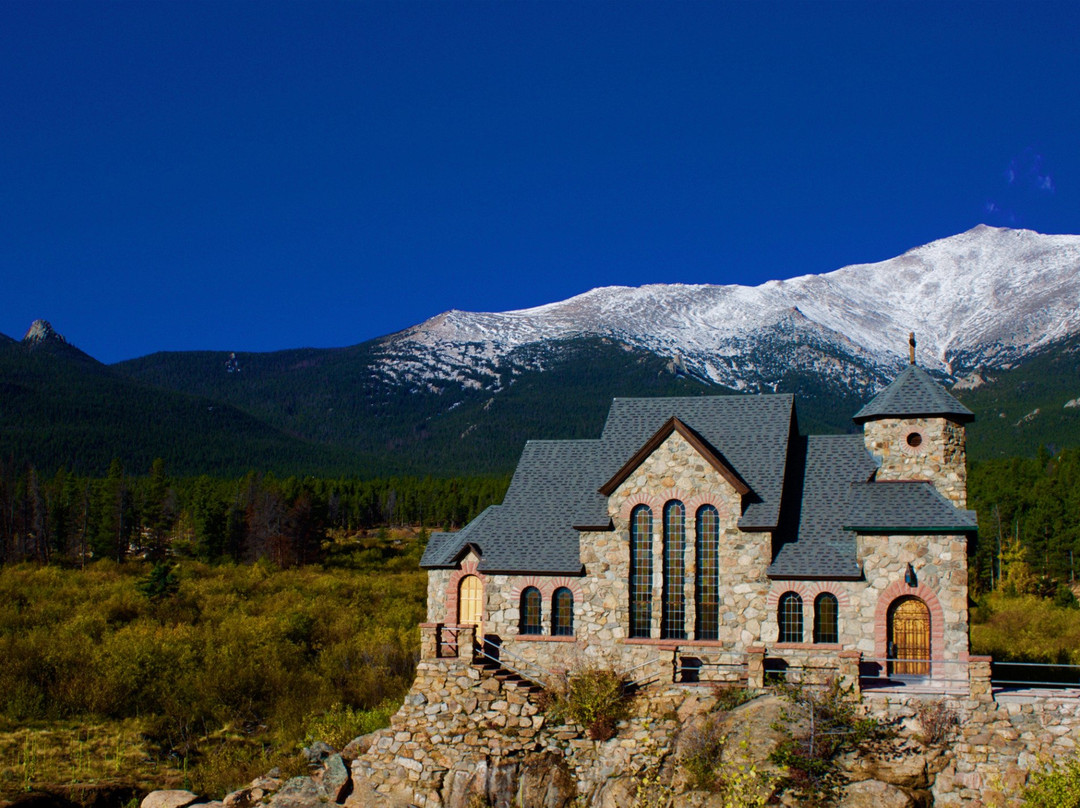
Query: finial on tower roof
911	346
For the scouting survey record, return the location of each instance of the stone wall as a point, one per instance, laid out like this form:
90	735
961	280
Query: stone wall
462	735
939	457
998	744
459	728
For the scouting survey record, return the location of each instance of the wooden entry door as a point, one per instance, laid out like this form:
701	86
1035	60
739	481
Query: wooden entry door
471	604
909	637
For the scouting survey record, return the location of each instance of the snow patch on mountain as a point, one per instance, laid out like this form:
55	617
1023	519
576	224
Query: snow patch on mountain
981	299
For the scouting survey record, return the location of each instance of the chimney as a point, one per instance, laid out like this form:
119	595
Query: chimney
911	346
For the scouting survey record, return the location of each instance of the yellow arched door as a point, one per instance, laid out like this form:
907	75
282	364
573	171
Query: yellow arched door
909	636
471	604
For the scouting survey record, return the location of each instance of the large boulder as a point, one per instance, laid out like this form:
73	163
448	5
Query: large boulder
335	778
546	782
299	792
168	798
874	794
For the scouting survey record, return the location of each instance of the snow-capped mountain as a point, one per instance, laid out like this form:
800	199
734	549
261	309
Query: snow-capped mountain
981	299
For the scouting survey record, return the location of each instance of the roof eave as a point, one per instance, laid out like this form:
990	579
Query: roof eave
907	530
608	525
960	417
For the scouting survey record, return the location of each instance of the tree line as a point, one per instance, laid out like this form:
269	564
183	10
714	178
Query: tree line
70	519
1029	523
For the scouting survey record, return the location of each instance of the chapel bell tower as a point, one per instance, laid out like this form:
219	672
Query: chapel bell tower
914	428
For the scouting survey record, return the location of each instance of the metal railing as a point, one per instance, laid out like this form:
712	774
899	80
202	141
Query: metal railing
1044	675
914	675
496	652
446	641
695	670
636	684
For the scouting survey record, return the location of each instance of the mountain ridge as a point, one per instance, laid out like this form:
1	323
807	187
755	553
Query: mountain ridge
461	392
973	279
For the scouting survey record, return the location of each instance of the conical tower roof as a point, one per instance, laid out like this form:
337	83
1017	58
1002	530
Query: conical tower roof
914	393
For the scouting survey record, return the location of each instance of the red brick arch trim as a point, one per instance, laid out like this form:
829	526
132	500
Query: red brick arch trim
452	586
547	587
657	503
808	591
895	591
694	504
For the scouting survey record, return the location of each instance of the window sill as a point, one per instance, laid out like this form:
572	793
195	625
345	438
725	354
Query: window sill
543	638
808	646
673	644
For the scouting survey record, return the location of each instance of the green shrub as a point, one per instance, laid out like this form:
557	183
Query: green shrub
339	724
728	698
703	745
1057	786
595	698
822	723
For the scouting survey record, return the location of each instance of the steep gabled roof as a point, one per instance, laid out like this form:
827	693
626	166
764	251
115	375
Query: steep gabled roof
914	393
670	426
751	433
905	507
556	489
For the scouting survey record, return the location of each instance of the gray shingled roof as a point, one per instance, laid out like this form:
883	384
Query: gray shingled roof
749	432
905	507
812	541
555	486
555	490
913	393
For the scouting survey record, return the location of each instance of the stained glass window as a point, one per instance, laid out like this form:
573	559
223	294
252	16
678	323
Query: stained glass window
826	617
673	625
789	616
530	611
641	569
707	591
562	612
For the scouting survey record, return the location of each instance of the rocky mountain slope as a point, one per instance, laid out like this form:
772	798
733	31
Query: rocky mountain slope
996	311
984	298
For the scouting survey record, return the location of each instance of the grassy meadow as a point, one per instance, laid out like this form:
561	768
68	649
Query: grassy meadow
206	680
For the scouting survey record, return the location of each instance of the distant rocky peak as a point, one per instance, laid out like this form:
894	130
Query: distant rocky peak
42	331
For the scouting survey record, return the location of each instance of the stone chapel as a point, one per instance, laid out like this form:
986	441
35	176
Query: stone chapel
711	527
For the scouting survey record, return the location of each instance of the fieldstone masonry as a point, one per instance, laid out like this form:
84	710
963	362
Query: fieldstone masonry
932	449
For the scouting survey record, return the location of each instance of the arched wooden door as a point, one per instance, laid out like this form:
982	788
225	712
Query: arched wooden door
471	604
909	637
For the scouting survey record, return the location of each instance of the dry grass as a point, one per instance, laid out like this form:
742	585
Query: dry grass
34	757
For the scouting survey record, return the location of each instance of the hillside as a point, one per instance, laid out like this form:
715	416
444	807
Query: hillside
61	407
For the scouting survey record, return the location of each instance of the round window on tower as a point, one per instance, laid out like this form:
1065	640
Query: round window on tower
913	442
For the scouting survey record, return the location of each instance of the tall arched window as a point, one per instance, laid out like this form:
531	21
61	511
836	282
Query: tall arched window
826	618
707	589
562	612
530	611
641	567
673	624
789	617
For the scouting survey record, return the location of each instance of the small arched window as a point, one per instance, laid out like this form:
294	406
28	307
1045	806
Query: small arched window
789	618
530	611
562	612
826	619
641	571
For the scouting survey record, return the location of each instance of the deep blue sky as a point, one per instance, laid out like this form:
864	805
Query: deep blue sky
264	175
